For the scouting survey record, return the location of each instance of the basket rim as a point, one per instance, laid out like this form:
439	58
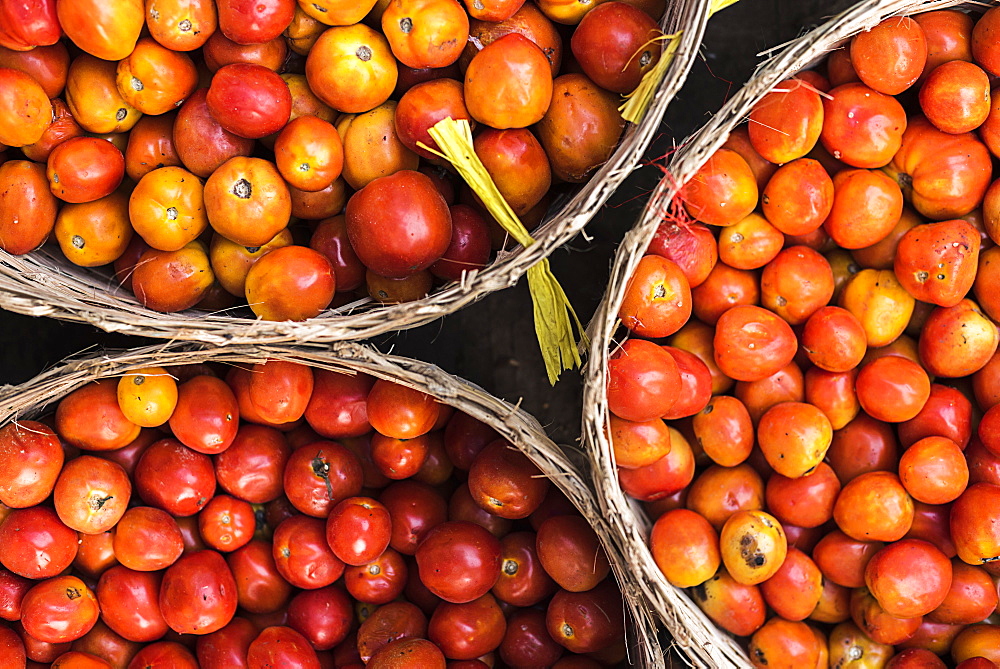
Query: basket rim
43	283
563	465
695	634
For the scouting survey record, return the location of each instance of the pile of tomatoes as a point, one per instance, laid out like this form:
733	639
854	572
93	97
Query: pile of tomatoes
809	400
286	516
184	141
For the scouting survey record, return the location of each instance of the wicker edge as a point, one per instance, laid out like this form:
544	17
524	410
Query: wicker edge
43	283
31	398
693	631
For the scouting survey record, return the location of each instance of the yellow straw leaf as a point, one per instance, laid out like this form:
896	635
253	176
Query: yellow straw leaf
554	315
638	101
719	5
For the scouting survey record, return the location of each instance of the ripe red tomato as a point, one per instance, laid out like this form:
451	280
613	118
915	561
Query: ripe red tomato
59	609
358	530
321	474
252	467
249	100
31	459
281	646
35	544
323	616
198	594
147	539
254	22
459	561
129	602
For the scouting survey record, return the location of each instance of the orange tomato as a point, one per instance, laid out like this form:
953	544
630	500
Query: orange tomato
949	36
785	123
509	84
27	207
862	127
753	546
866	207
752	343
371	147
167	208
90	418
874	507
569	12
107	30
25	110
351	68
798	197
794	438
943	175
426	33
749	244
231	262
181	25
291	283
308	153
169	281
93	97
891	56
955	97
638	444
937	262
893	388
657	301
685	547
151	146
796	283
880	303
147	396
154	79
723	191
795	589
95	233
247	201
337	12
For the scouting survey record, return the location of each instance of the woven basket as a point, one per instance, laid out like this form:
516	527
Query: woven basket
693	632
32	398
43	283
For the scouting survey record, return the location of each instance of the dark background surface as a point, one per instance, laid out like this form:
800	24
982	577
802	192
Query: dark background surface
493	342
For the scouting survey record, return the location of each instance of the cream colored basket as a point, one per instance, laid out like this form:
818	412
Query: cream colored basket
693	632
32	398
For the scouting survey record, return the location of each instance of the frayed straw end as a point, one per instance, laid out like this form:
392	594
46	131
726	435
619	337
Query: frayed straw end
554	315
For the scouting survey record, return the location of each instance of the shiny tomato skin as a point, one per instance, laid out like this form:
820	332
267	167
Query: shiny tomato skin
106	30
587	621
147	539
615	46
254	21
976	537
338	407
249	100
260	588
201	143
302	555
378	582
890	56
893	389
657	300
251	468
29	23
862	127
281	646
321	474
206	418
226	523
874	507
468	630
414	509
84	169
399	653
937	262
226	647
91	494
459	561
164	655
130	603
198	594
723	191
358	530
785	123
31	458
35	544
693	247
59	609
27	207
399	224
469	248
909	578
175	478
752	343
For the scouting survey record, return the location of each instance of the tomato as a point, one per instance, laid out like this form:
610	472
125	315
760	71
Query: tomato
523	580
786	122
795	589
398	411
719	492
254	22
35	544
324	616
198	594
173	477
947	413
891	56
147	396
736	608
892	389
794	438
226	523
425	33
379	581
63	127
807	501
459	561
31	458
752	343
955	97
165	654
465	631
147	539
876	623
47	65
784	643
91	494
909	578
469	249
943	175
581	128
723	191
694	249
355	54
616	46
338	407
90	418
526	642
358	530
319	475
308	153
753	546
657	300
59	609
866	206
167	208
130	603
249	100
106	30
414	509
583	622
685	548
202	144
247	201
975	538
724	431
643	381
84	169
949	37
971	598
400	652
302	555
181	25
797	198
880	302
155	79
508	83
399	224
723	288
570	552
220	51
504	482
874	506
983	48
796	283
29	24
206	418
937	262
978	640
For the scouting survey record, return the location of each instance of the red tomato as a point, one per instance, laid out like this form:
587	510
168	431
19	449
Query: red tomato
147	539
321	474
252	22
891	56
909	578
249	100
59	609
28	24
324	616
226	523
281	646
130	604
302	554
173	477
358	530
657	300
338	407
459	561
84	169
35	544
91	494
198	594
465	631
862	127
252	467
786	122
752	343
27	207
31	458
